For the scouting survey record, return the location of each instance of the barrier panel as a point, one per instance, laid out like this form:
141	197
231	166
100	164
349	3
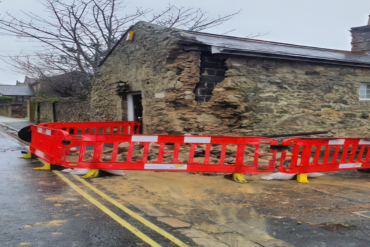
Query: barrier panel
320	155
124	127
47	144
172	153
47	139
155	152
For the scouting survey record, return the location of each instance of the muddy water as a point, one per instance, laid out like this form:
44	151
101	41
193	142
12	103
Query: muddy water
236	213
211	204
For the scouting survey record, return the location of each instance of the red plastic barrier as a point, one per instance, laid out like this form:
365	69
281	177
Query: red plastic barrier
124	127
47	144
319	155
156	144
163	152
47	138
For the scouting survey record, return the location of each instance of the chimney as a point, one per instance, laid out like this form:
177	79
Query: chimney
361	38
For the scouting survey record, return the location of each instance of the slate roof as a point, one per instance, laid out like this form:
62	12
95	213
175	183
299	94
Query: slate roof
260	48
12	90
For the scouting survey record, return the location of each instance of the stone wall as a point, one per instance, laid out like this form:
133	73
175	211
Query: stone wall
13	110
46	114
31	111
142	64
64	110
280	97
267	97
72	110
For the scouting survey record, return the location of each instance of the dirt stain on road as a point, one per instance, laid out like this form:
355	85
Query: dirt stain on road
218	210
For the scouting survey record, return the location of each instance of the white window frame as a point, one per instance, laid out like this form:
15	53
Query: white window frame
364	92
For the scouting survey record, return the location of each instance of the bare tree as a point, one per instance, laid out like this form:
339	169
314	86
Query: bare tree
78	34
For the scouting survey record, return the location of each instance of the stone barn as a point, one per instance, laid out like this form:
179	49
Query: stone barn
182	82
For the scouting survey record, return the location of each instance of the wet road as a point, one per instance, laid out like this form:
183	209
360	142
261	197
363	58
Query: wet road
50	208
14	123
40	209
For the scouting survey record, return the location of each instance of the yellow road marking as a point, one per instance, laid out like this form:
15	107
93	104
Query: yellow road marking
108	212
46	166
133	214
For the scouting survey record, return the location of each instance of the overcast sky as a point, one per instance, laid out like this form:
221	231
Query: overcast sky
319	23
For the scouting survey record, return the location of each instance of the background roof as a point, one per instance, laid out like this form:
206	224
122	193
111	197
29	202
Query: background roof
6	90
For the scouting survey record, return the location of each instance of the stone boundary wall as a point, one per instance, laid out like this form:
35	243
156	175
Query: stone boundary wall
5	110
72	110
46	112
64	110
14	110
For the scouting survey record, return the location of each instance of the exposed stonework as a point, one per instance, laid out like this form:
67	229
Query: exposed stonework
63	110
275	97
141	63
46	112
72	110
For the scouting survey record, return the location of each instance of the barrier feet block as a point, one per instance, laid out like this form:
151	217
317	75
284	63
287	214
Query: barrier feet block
93	173
46	167
239	178
302	178
27	156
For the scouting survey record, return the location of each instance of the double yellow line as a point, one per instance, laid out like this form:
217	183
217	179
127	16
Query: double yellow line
121	221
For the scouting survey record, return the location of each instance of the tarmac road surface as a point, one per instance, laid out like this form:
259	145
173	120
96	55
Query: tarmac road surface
15	123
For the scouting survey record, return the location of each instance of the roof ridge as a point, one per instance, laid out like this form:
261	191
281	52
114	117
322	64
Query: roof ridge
265	41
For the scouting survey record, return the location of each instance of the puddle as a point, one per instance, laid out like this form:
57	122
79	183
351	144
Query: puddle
337	227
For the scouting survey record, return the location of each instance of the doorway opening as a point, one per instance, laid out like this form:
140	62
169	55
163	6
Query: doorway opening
135	108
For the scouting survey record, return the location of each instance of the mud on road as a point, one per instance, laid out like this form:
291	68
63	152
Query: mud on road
260	213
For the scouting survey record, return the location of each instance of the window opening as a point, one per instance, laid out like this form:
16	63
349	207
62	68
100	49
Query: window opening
249	153
122	151
73	154
137	153
89	152
107	152
365	92
169	149
230	154
215	154
199	153
184	153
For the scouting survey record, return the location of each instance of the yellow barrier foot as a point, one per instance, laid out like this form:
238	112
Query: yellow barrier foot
46	167
302	178
27	156
239	178
93	173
